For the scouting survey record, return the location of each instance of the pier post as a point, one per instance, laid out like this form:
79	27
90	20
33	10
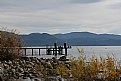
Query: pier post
25	51
55	50
65	46
32	51
39	52
59	50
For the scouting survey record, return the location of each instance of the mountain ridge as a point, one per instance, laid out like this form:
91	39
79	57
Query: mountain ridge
72	38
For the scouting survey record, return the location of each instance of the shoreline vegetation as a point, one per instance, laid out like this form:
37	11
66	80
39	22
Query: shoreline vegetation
98	69
14	67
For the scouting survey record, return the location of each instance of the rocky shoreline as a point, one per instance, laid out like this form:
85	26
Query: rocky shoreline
62	69
30	67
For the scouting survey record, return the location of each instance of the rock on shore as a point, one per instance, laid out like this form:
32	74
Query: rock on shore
28	67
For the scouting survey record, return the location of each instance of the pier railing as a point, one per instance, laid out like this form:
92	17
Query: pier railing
50	50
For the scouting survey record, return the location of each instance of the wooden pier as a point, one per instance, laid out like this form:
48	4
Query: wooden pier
52	50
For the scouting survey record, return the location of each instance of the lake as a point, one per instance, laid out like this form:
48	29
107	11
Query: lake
97	51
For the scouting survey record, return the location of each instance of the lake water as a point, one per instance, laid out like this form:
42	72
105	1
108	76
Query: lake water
114	51
97	51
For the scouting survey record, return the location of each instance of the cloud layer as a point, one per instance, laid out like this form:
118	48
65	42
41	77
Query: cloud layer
61	16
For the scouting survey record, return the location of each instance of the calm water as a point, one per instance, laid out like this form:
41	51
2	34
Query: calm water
98	51
114	51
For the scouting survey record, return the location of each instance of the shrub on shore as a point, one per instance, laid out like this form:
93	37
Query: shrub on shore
98	69
10	45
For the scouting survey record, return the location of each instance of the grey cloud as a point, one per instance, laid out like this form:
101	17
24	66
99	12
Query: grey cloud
86	1
22	6
38	4
116	6
57	15
31	4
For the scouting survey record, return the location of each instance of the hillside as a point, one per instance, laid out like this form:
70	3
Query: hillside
37	39
73	38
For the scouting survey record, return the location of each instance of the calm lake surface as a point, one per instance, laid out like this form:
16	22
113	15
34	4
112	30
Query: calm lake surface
114	51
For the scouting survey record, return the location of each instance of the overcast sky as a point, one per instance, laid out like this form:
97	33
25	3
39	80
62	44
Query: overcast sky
61	16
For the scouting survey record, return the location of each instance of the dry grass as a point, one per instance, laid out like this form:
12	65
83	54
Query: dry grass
104	69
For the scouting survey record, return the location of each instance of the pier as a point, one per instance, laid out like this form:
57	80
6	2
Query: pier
49	50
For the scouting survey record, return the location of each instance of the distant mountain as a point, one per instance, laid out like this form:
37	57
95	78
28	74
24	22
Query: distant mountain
73	38
74	35
37	39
